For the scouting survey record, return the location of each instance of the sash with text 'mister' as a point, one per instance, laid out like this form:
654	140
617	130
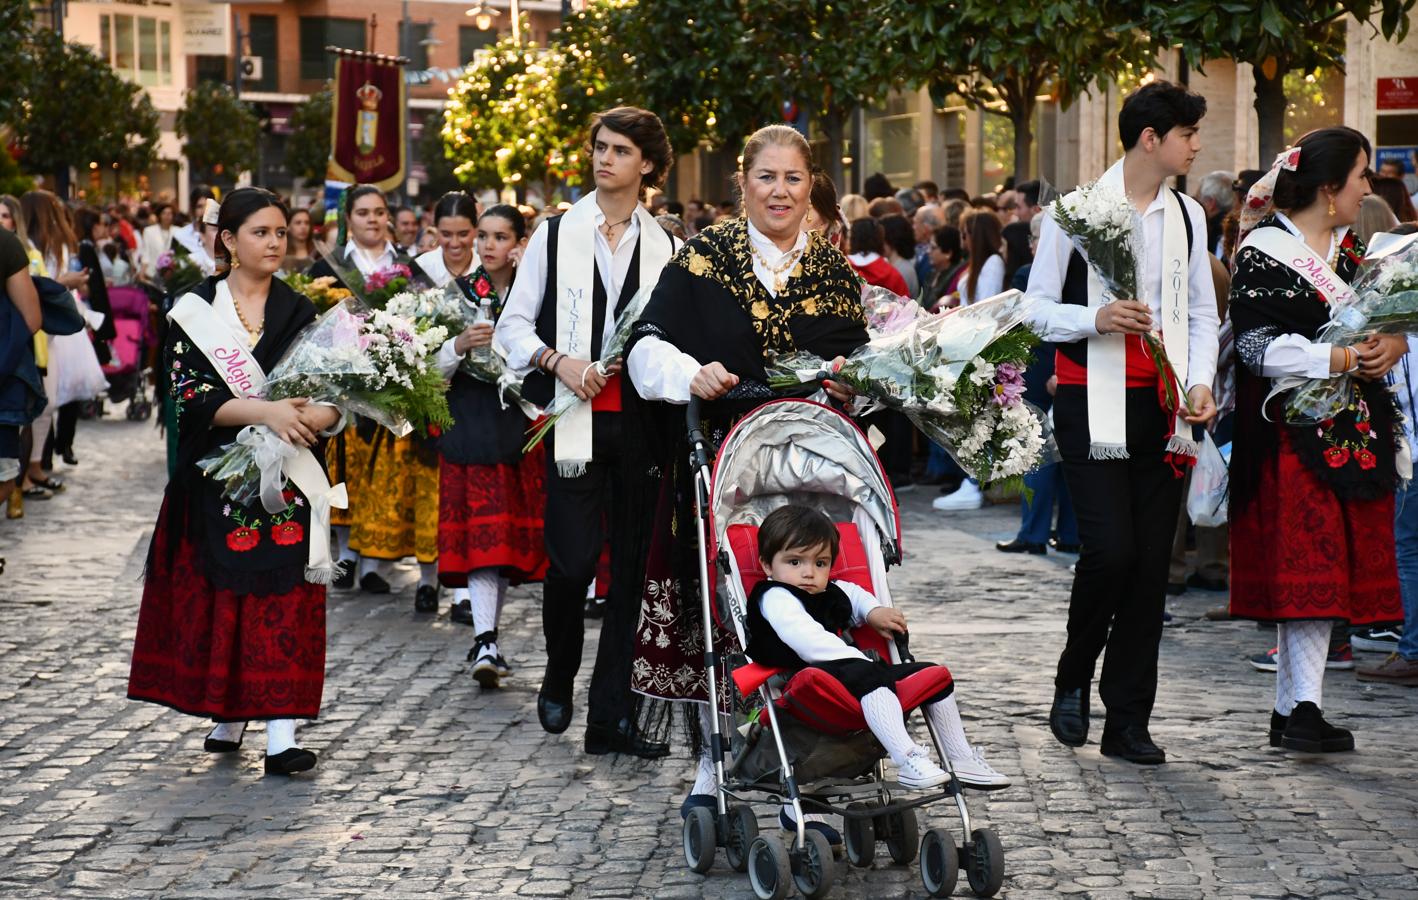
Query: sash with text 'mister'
367	124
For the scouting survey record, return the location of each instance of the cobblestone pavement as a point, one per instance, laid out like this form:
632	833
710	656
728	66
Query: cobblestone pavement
429	787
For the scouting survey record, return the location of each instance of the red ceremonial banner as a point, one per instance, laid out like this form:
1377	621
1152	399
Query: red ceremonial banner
367	124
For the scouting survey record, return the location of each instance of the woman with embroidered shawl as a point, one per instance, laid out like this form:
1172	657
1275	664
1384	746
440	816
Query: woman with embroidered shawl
1311	506
230	628
736	290
490	494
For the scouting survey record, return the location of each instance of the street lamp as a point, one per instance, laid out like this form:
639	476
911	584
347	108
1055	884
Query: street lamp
483	15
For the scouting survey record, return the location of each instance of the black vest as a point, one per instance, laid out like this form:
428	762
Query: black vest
1075	287
831	609
539	386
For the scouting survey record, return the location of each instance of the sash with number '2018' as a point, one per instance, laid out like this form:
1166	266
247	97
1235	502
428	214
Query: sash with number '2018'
277	459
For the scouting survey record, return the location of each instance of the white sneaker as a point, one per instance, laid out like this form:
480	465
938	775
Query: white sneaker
485	670
967	496
921	772
976	773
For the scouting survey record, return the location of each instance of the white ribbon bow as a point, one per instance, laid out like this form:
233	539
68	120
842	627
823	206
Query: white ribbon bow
271	453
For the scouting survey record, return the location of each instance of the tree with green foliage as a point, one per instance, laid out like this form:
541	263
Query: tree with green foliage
1276	38
13	181
16	20
78	111
473	128
220	134
308	148
1001	55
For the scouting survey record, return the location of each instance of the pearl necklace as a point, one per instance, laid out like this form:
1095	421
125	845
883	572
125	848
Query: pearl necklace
779	278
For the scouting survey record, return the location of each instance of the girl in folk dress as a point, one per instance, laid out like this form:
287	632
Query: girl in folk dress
230	629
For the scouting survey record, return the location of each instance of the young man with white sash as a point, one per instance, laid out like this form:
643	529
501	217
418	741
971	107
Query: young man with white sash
1124	453
578	272
232	624
1311	503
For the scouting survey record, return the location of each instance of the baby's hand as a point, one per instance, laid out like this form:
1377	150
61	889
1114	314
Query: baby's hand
887	621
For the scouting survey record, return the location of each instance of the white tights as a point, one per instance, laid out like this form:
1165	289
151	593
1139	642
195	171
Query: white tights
884	716
280	734
1302	648
487	590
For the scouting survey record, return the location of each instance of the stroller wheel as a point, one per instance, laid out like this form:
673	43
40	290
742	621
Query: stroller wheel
940	863
817	868
860	837
769	874
902	836
742	829
139	411
984	862
699	840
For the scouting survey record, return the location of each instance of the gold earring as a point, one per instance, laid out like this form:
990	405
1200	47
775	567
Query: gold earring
1331	204
236	263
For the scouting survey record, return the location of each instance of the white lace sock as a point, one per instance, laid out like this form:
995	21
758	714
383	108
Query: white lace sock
1302	650
704	779
945	717
886	720
228	731
280	736
428	574
483	591
369	564
342	543
459	595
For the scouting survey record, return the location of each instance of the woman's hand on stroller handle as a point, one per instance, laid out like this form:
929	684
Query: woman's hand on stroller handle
712	381
887	621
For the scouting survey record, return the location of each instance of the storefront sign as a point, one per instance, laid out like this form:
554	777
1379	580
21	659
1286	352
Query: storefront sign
1397	93
206	29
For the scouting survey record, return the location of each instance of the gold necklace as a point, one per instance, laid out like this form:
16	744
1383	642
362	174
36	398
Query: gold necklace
255	333
779	278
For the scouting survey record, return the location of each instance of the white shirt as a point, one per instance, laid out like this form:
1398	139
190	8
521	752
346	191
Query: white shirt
433	265
516	333
1295	354
368	263
1061	322
991	281
660	370
800	631
156	239
1405	390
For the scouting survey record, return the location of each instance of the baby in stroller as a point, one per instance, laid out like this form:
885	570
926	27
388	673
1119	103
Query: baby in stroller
797	618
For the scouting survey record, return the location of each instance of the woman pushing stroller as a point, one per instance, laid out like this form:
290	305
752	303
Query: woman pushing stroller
797	618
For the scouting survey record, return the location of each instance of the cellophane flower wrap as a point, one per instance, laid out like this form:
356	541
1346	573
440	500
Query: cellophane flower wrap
1105	227
449	308
887	312
1385	301
959	377
612	349
371	362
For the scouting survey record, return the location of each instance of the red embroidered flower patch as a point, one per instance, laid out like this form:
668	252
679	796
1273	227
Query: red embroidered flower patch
1366	458
188	394
287	533
1362	427
243	539
482	287
1336	456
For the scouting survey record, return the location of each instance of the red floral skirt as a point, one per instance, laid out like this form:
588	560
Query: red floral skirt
1300	552
491	517
222	655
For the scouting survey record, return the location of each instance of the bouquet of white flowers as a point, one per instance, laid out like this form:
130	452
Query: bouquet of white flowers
1384	301
612	349
369	362
1101	222
959	377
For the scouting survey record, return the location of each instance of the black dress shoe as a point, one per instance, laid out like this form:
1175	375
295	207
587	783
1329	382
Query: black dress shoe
621	738
1201	582
70	459
1307	731
213	745
345	580
1063	547
554	715
1133	744
1018	546
595	608
1068	719
288	762
426	599
373	583
461	612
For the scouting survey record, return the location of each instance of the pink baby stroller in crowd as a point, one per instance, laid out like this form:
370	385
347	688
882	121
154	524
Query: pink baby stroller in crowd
127	371
806	743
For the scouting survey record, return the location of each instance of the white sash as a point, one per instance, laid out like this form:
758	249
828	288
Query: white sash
1107	354
277	458
575	284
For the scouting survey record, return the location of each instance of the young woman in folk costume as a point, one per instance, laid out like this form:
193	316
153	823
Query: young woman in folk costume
393	481
232	624
1311	506
491	496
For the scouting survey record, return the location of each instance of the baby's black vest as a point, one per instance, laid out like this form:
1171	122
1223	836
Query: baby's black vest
831	609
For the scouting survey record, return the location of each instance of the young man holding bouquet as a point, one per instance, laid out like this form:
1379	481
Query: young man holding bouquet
1136	323
579	271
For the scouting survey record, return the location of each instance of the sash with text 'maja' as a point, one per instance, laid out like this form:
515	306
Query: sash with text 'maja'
367	120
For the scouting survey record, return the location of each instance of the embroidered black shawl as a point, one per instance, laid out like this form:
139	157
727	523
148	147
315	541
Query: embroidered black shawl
1352	453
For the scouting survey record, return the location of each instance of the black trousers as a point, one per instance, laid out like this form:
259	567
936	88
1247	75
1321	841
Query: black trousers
577	513
1127	513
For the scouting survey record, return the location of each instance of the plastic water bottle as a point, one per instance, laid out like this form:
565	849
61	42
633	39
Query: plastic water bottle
483	354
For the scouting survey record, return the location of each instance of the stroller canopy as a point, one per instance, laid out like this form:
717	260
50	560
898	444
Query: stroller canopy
796	451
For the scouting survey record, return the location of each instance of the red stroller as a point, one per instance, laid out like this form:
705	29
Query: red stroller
127	371
807	745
